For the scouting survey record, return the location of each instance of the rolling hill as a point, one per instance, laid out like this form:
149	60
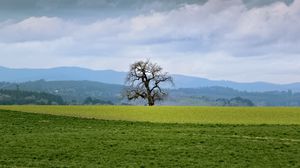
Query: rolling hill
115	77
76	92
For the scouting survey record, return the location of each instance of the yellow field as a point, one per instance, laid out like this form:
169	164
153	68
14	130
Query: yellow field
174	114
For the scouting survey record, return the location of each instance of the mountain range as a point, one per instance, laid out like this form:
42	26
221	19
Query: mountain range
116	77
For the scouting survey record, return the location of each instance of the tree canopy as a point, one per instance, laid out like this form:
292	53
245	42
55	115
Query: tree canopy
144	81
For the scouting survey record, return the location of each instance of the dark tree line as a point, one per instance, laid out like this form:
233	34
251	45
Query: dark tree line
95	101
237	101
19	97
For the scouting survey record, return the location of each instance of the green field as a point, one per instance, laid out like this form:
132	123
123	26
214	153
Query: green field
174	114
234	140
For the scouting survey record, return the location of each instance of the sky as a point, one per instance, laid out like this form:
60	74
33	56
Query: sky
244	41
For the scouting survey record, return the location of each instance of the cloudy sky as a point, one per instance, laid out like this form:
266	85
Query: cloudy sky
250	40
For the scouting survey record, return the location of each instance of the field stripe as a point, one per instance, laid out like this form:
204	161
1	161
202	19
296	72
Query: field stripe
259	138
174	114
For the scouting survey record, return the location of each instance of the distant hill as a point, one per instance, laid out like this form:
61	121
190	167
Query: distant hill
90	92
204	95
71	91
115	77
182	81
61	73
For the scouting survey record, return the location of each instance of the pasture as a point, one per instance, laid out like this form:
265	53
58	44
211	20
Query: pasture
89	136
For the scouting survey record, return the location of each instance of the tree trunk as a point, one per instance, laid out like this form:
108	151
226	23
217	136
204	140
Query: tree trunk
151	103
150	100
149	97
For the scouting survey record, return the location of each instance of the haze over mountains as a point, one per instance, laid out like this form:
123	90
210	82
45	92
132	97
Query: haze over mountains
115	77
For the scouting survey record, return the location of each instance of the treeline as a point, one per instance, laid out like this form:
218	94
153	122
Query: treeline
237	101
87	92
72	92
207	101
196	96
19	97
95	101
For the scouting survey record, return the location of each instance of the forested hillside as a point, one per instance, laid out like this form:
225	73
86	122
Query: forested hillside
194	96
73	92
19	97
88	92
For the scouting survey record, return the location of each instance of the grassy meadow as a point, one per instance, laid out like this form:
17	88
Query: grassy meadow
91	136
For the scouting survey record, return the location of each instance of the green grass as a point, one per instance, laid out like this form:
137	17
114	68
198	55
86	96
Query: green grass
39	140
174	114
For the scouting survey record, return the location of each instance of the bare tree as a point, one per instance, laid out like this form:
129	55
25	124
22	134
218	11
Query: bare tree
144	81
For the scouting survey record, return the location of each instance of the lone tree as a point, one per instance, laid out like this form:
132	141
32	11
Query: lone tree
144	81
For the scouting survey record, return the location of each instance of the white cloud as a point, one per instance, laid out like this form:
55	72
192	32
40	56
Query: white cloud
218	39
36	29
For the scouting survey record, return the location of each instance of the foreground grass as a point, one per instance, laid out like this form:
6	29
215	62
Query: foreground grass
37	140
174	114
